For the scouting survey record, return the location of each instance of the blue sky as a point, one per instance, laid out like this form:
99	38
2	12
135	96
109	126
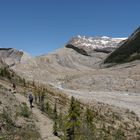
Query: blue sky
41	26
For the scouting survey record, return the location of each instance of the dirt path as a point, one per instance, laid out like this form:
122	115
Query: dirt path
43	123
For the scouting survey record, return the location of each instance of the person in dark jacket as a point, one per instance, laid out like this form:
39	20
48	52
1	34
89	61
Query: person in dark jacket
31	100
14	86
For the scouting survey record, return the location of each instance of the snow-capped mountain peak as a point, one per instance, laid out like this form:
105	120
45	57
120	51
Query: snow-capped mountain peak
93	43
105	37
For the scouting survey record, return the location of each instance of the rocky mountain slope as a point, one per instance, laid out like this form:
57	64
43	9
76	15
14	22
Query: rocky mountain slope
10	56
88	45
68	61
128	51
16	120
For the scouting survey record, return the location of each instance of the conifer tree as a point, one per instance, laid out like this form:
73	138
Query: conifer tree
60	120
48	108
39	97
42	98
33	83
88	125
35	94
24	82
55	111
55	126
89	117
73	120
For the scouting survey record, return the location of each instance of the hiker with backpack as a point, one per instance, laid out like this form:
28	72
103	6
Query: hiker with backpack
31	99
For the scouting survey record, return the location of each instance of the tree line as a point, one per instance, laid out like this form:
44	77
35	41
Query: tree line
78	122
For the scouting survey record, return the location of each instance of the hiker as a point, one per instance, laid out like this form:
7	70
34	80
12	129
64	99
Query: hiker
14	86
31	100
13	89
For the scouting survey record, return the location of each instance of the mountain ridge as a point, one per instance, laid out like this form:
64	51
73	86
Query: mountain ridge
86	45
128	51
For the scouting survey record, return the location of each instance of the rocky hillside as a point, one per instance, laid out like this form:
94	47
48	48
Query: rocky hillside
16	120
128	51
11	57
68	60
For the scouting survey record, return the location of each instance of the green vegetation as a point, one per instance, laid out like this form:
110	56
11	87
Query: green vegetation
89	126
119	134
48	108
12	130
16	122
55	118
73	120
4	72
76	121
25	110
128	51
7	118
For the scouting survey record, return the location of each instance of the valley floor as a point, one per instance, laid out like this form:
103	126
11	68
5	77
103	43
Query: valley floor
122	100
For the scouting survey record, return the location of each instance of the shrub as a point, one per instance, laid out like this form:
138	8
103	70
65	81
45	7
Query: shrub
25	110
7	117
48	108
4	72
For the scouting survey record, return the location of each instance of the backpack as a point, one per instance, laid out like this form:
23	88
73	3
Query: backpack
30	97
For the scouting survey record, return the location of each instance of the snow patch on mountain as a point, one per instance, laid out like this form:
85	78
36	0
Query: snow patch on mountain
95	42
90	44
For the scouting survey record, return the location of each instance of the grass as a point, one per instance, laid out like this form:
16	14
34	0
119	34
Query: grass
15	121
27	131
25	112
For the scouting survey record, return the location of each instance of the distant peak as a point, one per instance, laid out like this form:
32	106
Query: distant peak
105	37
79	36
87	45
5	48
120	38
